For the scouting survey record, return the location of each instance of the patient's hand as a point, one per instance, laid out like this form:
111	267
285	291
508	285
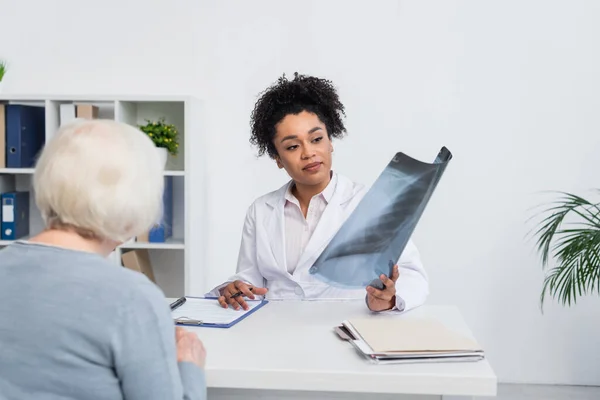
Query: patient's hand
381	300
189	347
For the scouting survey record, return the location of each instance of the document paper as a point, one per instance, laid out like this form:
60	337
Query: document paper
209	311
373	238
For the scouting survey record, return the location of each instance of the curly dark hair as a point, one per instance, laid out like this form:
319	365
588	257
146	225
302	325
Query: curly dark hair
303	93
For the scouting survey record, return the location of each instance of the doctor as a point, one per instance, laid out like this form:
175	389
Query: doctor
286	230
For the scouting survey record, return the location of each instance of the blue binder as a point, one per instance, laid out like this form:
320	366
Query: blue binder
209	324
15	215
25	134
161	232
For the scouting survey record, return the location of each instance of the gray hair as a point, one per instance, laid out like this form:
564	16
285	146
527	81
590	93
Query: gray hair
102	178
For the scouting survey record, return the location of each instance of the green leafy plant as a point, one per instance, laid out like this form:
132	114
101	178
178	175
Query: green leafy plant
3	68
162	134
575	246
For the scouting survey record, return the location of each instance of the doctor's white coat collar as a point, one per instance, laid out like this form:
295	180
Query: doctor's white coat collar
326	194
339	190
344	191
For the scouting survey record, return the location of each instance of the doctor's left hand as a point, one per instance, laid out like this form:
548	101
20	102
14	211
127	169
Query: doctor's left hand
381	300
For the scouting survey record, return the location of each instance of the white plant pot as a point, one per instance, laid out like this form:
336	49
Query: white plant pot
1	84
162	152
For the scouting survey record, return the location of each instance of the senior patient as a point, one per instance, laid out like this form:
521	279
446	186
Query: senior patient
72	324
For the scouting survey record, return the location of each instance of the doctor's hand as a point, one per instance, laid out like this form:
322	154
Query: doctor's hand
381	300
233	294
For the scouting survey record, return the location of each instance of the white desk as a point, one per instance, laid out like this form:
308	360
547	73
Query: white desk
288	350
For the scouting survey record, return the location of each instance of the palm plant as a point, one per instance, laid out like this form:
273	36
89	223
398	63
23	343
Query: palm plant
575	246
3	66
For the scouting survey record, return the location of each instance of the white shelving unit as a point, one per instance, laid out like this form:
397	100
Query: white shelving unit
171	260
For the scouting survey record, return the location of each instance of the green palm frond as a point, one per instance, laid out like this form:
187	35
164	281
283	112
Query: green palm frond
3	68
575	248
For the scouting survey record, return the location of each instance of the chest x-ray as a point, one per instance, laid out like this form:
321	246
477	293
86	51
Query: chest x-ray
372	239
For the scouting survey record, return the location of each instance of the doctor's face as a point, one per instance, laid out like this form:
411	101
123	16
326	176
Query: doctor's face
303	148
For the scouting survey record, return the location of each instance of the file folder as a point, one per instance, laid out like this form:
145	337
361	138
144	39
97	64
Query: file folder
2	136
408	340
164	230
15	215
207	312
25	134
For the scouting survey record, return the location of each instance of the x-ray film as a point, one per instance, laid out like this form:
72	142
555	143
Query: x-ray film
372	239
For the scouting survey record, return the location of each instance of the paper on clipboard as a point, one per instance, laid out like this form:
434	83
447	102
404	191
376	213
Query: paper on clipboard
208	312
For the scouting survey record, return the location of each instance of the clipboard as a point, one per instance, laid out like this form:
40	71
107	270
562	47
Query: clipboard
207	312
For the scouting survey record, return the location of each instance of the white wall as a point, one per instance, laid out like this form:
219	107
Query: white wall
510	87
108	46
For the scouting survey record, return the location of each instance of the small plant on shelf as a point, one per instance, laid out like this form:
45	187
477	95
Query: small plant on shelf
162	134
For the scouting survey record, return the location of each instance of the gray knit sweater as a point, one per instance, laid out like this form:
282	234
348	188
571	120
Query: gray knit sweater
75	326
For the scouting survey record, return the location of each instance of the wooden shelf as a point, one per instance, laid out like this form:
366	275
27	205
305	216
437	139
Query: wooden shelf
23	171
30	171
174	173
7	242
170	244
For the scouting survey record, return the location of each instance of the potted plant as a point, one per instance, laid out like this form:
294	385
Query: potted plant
570	234
3	67
165	137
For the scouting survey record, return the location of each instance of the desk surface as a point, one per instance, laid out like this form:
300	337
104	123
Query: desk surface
291	345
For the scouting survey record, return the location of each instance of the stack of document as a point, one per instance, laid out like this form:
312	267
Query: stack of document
408	340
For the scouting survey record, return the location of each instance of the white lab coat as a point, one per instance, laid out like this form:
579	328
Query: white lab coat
261	260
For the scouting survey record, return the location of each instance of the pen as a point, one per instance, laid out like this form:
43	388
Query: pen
177	303
233	296
188	321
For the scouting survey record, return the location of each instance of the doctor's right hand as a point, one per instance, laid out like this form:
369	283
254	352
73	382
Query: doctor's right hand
233	294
